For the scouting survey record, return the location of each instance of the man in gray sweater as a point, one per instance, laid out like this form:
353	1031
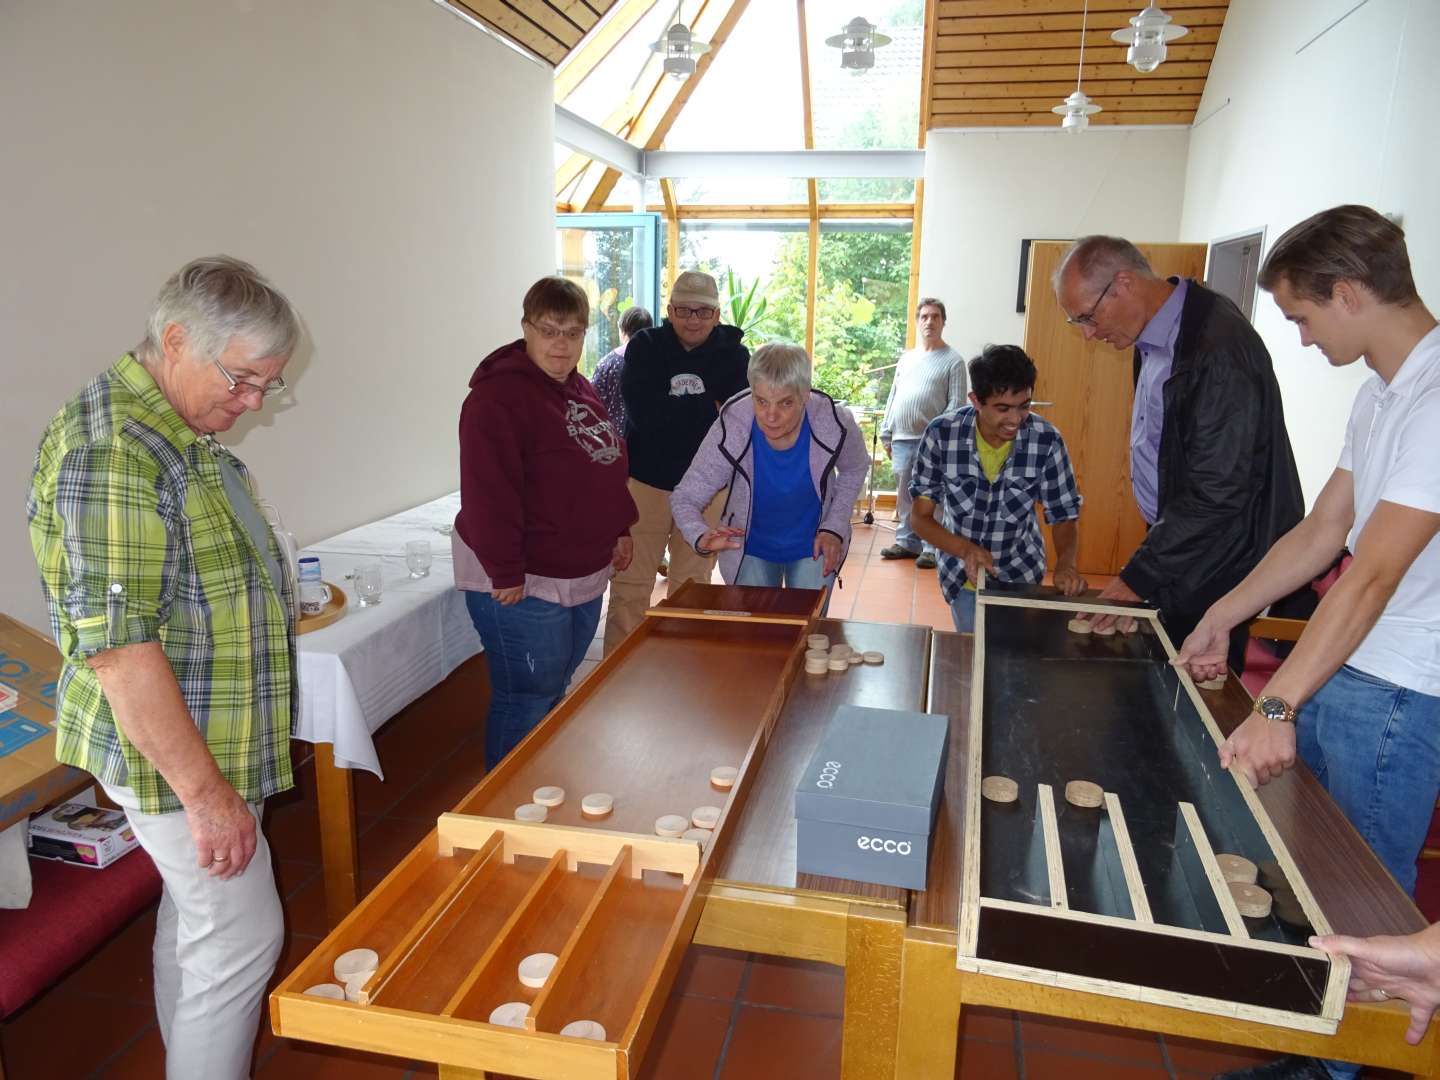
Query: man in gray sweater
929	380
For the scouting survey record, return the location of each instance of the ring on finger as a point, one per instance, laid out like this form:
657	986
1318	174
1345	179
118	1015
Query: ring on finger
219	856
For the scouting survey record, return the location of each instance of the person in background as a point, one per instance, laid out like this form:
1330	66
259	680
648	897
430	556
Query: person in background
794	463
1210	461
611	369
174	616
677	375
544	512
929	380
984	468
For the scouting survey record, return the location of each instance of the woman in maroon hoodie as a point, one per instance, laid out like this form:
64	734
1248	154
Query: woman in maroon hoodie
545	514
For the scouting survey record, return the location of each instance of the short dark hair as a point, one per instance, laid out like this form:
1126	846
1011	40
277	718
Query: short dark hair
558	297
1001	369
1344	243
930	301
634	320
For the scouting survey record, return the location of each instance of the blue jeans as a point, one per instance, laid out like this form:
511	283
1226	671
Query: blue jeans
962	610
533	649
902	458
800	574
1375	747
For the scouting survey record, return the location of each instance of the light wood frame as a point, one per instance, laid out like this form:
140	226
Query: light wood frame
973	903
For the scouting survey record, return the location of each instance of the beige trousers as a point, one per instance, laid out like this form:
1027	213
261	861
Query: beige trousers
630	589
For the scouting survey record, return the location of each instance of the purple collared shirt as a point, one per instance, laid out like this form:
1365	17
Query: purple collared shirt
1157	355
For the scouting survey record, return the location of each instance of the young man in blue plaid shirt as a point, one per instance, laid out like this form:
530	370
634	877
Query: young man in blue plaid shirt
984	467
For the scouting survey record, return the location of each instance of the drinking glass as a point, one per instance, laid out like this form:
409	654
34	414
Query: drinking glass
368	584
417	558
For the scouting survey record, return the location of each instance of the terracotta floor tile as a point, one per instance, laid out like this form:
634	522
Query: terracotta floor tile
1054	1065
443	787
987	1024
1074	1037
709	972
770	1044
143	1059
307	1061
985	1061
305	909
802	985
123	967
1207	1058
293	832
291	876
386	844
687	1039
41	1043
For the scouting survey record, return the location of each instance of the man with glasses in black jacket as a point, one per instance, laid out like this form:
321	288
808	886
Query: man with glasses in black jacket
1210	460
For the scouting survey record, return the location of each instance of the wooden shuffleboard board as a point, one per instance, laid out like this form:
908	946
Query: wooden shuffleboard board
1126	898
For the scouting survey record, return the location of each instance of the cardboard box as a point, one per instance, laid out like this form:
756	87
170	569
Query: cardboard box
30	777
76	832
865	808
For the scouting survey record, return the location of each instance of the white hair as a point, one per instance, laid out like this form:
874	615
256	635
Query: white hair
218	298
781	365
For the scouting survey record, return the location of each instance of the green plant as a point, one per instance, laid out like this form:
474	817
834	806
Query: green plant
745	309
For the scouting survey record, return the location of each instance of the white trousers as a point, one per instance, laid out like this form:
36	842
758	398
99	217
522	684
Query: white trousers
216	944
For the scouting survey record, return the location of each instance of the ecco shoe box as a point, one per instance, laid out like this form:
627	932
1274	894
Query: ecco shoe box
865	807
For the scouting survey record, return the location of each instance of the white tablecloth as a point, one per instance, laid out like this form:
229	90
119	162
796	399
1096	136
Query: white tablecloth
361	670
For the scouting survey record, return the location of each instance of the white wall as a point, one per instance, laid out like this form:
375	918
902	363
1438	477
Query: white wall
386	164
987	191
1351	118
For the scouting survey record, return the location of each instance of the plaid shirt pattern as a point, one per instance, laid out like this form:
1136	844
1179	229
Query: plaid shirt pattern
137	541
999	517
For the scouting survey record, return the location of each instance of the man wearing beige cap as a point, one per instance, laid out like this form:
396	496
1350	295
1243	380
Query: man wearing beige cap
677	375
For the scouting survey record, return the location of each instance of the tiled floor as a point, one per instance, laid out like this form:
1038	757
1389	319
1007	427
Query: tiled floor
732	1016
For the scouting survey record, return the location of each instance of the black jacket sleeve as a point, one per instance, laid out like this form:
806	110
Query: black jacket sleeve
729	373
1204	519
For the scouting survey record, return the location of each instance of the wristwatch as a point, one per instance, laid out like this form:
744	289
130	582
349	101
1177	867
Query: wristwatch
1274	708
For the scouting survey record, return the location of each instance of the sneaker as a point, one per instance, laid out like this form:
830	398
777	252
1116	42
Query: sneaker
926	561
1286	1068
895	551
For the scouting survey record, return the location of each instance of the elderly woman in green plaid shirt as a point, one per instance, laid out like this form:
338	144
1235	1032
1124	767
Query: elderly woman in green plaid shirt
172	607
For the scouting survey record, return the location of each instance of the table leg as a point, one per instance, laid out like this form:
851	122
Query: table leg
874	939
929	1009
339	850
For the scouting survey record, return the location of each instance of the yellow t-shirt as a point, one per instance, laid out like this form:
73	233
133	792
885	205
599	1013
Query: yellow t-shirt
992	460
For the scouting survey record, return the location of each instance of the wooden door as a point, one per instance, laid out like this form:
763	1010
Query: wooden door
1092	388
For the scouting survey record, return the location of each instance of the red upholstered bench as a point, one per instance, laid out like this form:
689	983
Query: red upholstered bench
73	911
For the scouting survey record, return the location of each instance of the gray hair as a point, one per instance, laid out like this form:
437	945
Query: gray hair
782	365
1099	258
218	298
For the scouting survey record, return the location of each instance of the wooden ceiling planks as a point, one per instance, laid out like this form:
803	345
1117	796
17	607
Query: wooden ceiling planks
1006	63
548	28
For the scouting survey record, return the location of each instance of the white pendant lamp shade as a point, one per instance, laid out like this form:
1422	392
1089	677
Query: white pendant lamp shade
1077	110
857	44
1147	36
679	48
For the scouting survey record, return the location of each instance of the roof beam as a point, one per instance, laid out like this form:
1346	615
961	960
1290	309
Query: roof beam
807	164
596	143
598	44
952	9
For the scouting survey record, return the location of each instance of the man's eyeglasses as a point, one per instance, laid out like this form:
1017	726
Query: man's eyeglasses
679	312
550	333
1088	319
239	386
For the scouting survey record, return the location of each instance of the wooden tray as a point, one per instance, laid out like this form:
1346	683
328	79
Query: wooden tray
331	612
1126	899
615	903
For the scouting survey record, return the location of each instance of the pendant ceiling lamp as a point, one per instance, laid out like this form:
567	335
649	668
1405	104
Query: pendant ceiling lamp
1078	108
1147	36
679	48
857	44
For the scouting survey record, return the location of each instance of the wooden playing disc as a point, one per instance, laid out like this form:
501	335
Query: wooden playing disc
597	804
1250	900
532	812
818	666
1103	631
671	825
535	969
1272	877
818	641
705	817
840	663
1078	626
723	776
548	796
584	1029
1212	684
511	1014
999	789
1237	869
873	656
1288	909
1084	793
